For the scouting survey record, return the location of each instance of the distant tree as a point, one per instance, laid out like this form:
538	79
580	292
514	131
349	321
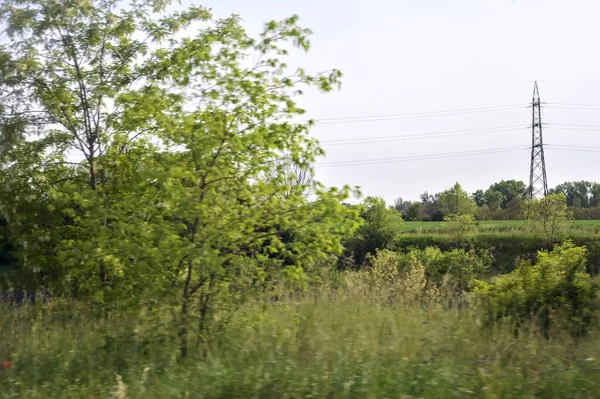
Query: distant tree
484	213
456	201
479	197
461	225
582	194
510	189
549	214
380	229
494	199
400	205
512	211
429	209
413	212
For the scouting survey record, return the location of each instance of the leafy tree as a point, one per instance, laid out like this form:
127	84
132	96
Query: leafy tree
461	225
512	210
412	214
549	214
456	201
510	189
479	198
380	229
429	209
135	163
582	194
494	199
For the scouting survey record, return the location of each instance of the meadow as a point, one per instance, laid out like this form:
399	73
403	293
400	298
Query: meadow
334	345
488	226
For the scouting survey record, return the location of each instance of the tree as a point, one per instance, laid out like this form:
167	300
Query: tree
143	157
429	209
494	199
479	198
300	179
510	189
412	213
380	229
456	201
582	194
549	214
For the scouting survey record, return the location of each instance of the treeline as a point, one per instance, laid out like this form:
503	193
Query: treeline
500	201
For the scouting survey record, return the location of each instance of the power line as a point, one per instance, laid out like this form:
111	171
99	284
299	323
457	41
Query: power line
373	118
574	147
573	108
577	105
422	136
454	133
419	157
576	126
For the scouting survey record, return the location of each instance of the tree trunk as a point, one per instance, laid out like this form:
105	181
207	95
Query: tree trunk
183	329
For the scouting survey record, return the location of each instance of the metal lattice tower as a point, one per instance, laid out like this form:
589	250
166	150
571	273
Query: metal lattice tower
538	183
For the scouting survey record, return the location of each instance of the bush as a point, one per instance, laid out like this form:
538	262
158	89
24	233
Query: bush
381	227
422	274
506	247
557	284
453	271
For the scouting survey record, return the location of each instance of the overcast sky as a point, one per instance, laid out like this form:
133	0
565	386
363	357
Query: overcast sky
415	56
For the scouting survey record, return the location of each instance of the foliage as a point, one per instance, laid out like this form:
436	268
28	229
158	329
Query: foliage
383	277
557	282
139	165
345	346
453	271
381	227
456	201
508	190
579	194
549	214
461	226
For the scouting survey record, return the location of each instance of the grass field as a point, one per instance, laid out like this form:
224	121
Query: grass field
591	226
341	347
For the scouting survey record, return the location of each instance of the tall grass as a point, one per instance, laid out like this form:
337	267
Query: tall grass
335	346
499	226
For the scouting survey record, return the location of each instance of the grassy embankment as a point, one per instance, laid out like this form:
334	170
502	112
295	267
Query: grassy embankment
338	346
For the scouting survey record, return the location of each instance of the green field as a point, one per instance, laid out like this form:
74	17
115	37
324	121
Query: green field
588	226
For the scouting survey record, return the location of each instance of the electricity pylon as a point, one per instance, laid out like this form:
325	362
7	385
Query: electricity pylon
538	183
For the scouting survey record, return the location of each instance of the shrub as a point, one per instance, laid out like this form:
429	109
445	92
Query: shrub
453	271
461	226
557	284
381	227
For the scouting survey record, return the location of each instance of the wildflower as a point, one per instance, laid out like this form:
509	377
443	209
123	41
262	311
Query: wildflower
6	365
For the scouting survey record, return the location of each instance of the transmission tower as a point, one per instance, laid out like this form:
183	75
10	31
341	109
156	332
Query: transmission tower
538	183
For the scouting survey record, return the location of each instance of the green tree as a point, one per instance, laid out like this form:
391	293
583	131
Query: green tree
461	226
148	164
380	229
456	201
479	198
549	215
581	194
494	199
510	189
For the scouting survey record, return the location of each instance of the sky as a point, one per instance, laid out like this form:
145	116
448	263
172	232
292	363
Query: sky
417	56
